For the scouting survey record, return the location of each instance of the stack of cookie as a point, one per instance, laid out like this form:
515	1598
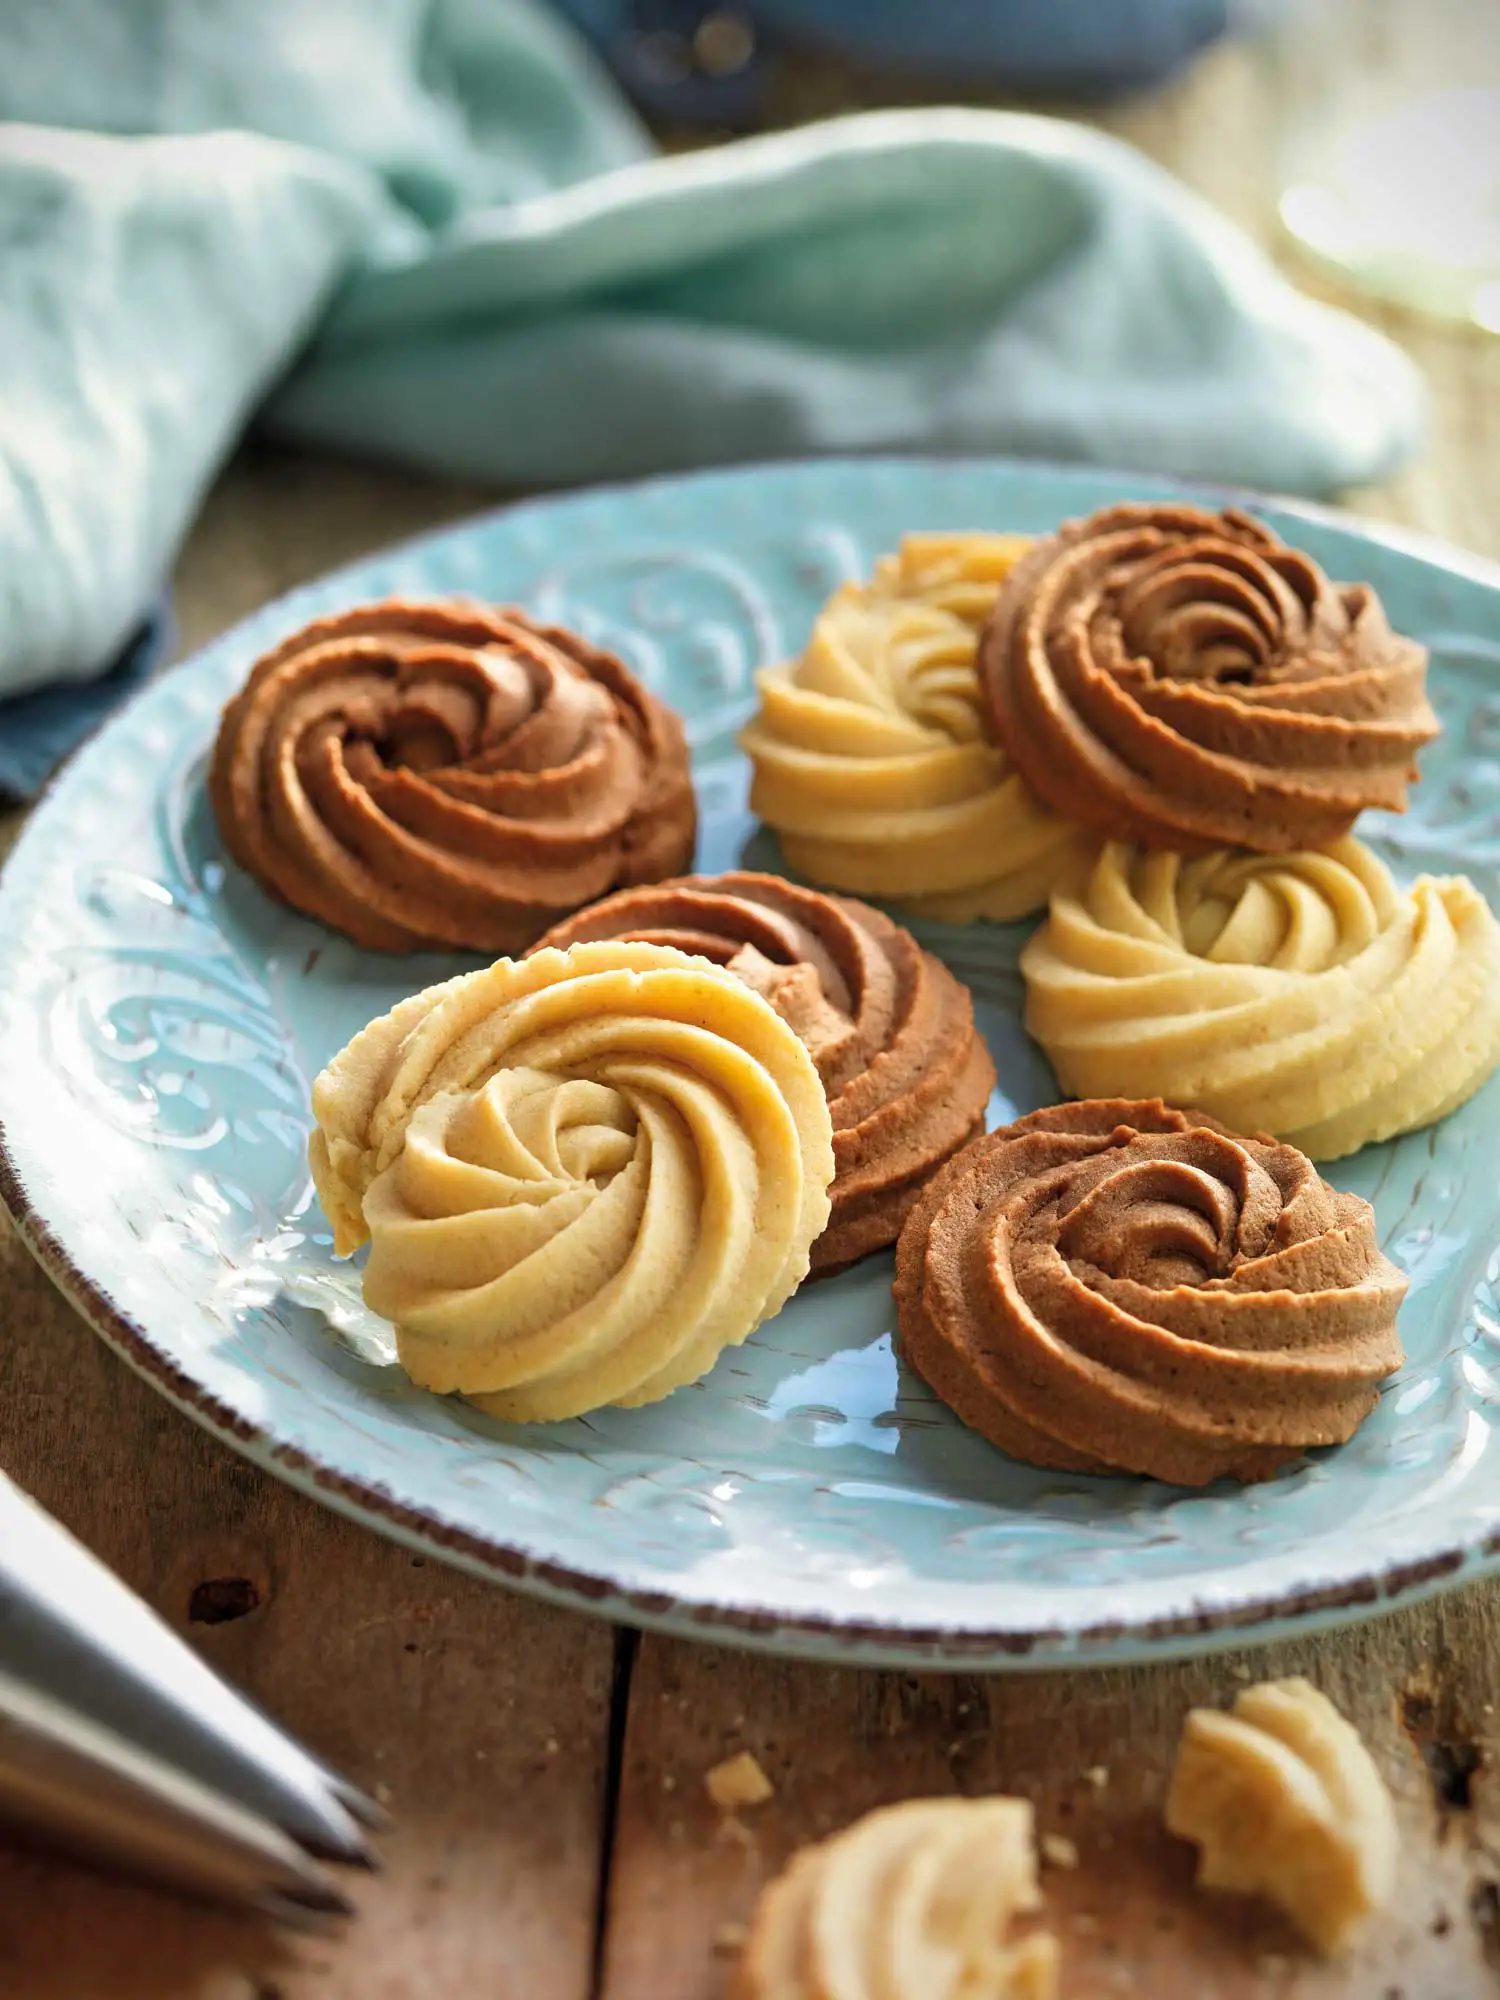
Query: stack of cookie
889	1028
584	1171
1160	724
588	1168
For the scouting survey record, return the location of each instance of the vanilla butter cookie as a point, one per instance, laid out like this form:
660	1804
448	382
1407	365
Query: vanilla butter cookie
872	756
1283	1800
918	1901
1300	994
891	1030
581	1175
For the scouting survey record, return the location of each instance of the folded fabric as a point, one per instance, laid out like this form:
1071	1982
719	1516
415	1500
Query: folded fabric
526	296
150	291
947	279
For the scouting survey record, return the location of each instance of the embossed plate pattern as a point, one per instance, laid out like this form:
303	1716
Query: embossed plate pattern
160	1020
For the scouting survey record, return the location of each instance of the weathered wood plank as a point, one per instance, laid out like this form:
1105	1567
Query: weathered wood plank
836	1742
479	1716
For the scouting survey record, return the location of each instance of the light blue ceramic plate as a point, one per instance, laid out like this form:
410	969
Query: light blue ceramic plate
160	1021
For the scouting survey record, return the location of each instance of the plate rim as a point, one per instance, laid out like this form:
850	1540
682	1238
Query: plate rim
958	1645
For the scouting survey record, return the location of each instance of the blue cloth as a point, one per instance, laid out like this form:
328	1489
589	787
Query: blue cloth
38	730
445	215
1089	45
1098	47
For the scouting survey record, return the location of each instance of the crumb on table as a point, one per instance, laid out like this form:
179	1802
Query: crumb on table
738	1781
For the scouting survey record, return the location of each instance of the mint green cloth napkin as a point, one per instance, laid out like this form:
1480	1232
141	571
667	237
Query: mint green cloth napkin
443	208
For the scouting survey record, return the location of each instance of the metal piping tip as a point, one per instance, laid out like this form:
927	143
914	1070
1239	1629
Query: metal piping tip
296	1914
358	1804
332	1840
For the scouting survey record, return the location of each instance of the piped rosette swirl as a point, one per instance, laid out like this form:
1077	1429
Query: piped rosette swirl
1283	1800
581	1175
889	1027
871	752
926	1900
1121	1285
1300	994
1184	679
448	774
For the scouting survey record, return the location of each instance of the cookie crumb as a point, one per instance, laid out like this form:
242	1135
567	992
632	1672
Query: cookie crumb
1059	1850
738	1781
1098	1776
729	1940
383	1792
1239	1671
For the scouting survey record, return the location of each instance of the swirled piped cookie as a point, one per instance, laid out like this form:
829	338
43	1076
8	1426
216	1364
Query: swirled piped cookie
1184	679
889	1027
1125	1286
917	1901
581	1175
871	755
448	774
1300	994
1283	1800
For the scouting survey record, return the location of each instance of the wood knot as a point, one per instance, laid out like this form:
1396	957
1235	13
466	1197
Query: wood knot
1428	1715
219	1599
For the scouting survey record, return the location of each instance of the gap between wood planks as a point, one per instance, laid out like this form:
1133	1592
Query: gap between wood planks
627	1647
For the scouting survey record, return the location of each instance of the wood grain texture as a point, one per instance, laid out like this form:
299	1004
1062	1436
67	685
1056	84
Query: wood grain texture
487	1720
479	1718
835	1743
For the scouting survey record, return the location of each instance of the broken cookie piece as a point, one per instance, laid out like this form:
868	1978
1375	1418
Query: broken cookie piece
1284	1801
917	1901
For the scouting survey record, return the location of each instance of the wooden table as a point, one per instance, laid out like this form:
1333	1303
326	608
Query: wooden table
552	1836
